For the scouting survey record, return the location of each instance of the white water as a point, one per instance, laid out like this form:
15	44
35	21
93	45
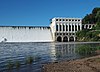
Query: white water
25	34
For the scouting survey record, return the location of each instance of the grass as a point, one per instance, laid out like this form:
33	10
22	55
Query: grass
17	64
10	65
29	60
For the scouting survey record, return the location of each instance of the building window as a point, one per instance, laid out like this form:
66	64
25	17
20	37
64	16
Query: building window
82	26
75	27
63	19
63	33
69	19
72	27
63	28
69	27
59	19
66	28
75	20
56	27
66	33
57	33
72	19
66	19
78	27
60	33
78	20
86	26
89	26
56	19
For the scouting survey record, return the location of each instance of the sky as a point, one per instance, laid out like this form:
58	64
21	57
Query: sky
39	12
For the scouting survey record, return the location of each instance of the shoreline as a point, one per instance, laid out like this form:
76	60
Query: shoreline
90	64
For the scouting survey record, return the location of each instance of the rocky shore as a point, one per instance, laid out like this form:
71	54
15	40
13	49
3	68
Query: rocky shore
91	64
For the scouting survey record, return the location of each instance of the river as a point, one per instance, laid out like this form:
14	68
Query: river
45	51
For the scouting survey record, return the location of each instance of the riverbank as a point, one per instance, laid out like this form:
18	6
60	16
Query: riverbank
91	64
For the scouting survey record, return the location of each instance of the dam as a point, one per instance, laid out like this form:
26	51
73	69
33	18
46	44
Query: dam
25	34
61	29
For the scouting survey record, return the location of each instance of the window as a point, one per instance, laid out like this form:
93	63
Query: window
60	33
72	27
78	27
75	27
63	33
63	19
63	28
78	20
66	28
69	19
86	26
72	19
66	19
59	19
56	27
57	33
66	33
75	20
69	27
89	26
56	19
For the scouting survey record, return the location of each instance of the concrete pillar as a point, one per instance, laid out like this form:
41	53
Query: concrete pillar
68	27
71	27
74	27
80	27
74	38
77	27
88	26
61	39
62	27
68	39
65	27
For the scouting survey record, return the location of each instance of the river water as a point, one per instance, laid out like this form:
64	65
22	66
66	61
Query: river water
46	53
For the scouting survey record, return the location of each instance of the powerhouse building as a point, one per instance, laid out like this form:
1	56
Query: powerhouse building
64	29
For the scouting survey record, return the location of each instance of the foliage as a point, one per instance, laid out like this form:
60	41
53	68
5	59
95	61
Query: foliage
98	48
93	17
89	35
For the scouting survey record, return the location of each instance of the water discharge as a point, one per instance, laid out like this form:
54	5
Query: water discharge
25	34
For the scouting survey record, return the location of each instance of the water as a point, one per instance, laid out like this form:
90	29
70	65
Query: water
47	52
25	34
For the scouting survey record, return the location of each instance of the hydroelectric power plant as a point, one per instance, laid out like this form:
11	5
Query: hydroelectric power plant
61	30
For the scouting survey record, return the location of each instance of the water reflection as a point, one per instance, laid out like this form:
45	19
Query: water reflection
63	51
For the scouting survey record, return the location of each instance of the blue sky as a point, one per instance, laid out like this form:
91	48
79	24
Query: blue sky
39	12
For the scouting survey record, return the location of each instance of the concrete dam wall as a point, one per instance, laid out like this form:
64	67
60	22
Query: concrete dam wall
25	34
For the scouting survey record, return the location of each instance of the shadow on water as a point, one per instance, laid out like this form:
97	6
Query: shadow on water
44	52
